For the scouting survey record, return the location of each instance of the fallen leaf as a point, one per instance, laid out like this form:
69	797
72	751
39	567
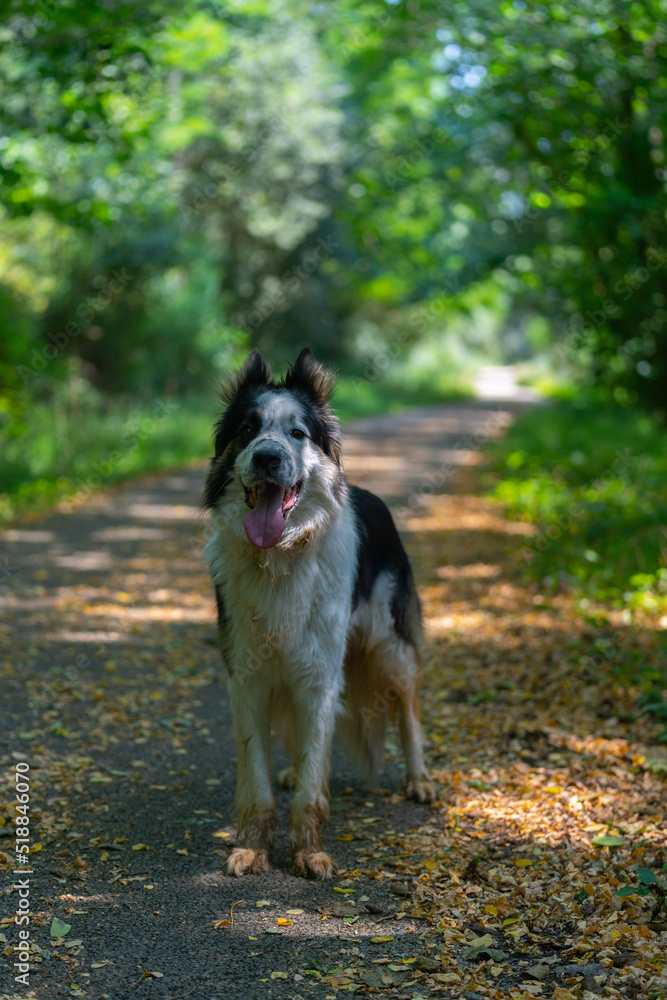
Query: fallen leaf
539	971
447	977
426	963
532	989
472	953
608	840
399	889
371	977
482	942
59	928
340	982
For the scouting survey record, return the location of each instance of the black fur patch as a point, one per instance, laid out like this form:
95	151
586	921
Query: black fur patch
239	393
310	377
380	549
254	373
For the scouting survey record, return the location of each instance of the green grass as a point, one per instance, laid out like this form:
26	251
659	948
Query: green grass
58	452
594	482
81	442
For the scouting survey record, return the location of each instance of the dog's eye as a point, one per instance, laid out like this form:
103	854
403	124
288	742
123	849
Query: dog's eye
296	433
246	431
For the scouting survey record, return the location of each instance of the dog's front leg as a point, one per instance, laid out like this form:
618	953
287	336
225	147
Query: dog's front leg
250	704
315	722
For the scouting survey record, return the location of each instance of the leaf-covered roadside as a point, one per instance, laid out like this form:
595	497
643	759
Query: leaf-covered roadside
553	783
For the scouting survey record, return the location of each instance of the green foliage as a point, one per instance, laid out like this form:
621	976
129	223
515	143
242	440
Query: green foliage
80	442
320	167
650	884
439	185
528	145
188	147
594	483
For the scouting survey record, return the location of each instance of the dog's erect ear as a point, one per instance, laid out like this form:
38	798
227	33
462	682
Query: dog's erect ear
253	373
311	377
308	376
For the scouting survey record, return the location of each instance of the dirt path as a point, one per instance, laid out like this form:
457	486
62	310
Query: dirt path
112	692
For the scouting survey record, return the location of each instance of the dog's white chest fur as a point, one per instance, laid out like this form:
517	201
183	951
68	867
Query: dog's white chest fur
288	610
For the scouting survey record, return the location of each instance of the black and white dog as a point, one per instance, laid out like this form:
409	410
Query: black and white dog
318	615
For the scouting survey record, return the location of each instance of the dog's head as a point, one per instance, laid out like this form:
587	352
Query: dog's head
277	470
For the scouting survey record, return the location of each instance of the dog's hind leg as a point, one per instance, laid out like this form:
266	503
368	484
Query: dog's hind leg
251	709
404	689
314	728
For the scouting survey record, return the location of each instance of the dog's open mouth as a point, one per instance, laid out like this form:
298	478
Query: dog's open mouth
269	505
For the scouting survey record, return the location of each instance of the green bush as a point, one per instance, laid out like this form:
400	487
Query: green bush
80	441
594	483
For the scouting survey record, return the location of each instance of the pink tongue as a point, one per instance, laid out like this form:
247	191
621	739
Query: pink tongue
265	523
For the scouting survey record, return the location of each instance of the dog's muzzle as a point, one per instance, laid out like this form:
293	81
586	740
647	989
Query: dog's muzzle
272	495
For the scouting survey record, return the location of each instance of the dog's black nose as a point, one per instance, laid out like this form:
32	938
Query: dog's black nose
267	460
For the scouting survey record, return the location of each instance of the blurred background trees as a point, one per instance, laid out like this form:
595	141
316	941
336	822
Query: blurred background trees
412	186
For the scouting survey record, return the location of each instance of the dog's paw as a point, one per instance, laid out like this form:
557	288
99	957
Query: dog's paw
244	860
419	787
287	778
319	865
